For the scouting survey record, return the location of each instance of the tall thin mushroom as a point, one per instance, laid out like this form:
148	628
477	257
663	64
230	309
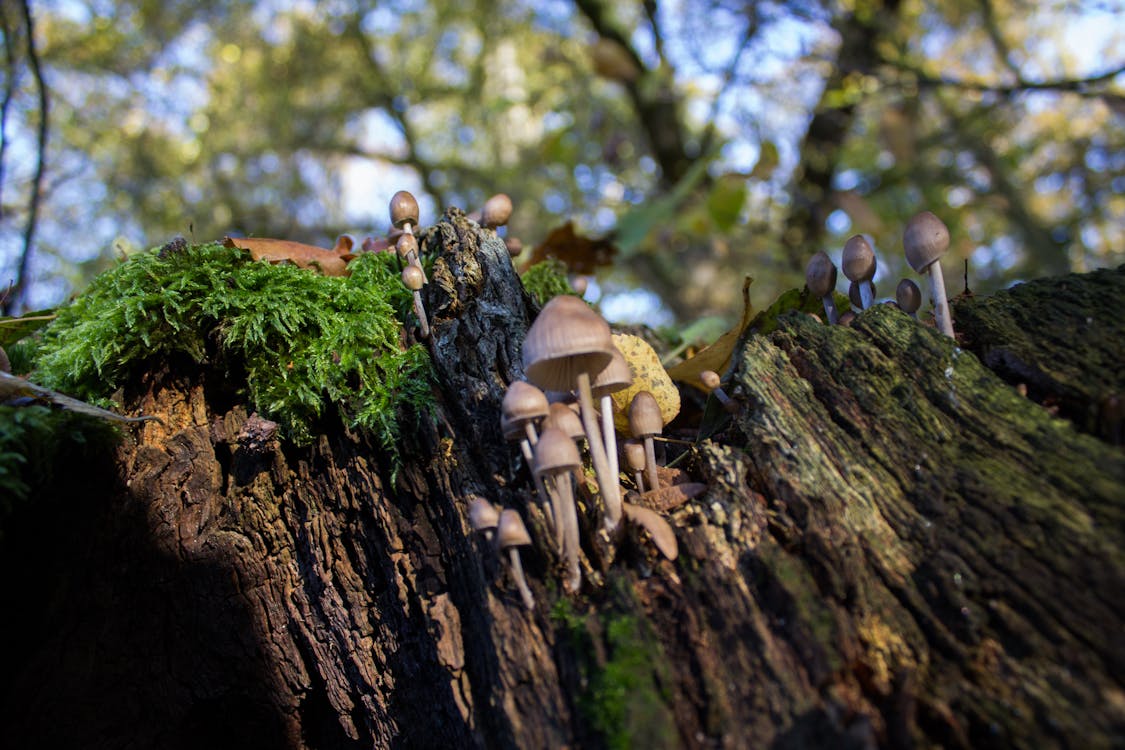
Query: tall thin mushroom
646	422
565	347
556	458
925	240
510	534
820	278
616	376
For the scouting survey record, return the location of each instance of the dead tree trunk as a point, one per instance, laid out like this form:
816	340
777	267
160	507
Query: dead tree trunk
895	550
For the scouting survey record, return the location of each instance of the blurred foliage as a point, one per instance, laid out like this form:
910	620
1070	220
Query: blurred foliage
298	120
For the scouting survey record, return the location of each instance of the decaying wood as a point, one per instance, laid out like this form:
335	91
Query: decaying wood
894	549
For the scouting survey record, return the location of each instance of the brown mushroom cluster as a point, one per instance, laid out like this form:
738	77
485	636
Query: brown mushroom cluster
925	240
570	354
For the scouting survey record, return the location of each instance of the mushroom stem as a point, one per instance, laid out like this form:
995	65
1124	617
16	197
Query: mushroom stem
610	435
937	296
866	295
521	581
610	487
532	435
830	309
650	464
571	543
550	507
639	479
420	311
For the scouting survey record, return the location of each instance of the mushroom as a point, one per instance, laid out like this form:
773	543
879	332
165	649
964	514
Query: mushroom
635	459
925	240
847	318
566	345
616	376
855	293
514	433
580	284
515	247
556	458
909	297
645	422
496	211
483	516
414	280
820	278
858	262
659	529
713	384
404	211
510	534
523	404
407	248
562	417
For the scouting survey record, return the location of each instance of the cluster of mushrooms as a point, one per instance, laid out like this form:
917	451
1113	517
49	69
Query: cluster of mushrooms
925	240
572	367
404	219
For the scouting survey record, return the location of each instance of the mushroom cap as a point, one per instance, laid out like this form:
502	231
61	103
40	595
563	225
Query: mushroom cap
515	247
858	260
908	296
710	379
404	209
510	430
555	453
634	454
510	531
854	295
483	515
562	417
616	376
925	240
644	416
413	278
846	318
566	339
523	402
820	275
406	244
661	532
496	211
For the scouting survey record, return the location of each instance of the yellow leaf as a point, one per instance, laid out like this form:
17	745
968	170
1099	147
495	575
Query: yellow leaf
648	375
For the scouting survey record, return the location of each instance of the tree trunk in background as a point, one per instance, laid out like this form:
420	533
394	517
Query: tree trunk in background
811	191
895	549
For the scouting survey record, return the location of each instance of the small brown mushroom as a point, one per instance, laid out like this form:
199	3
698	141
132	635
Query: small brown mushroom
566	346
645	422
858	262
515	247
847	318
820	278
510	534
523	405
556	459
925	240
496	211
635	460
909	297
562	417
404	211
713	383
413	279
483	516
407	249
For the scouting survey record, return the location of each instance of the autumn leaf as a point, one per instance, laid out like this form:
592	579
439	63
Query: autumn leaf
581	254
669	498
717	356
328	262
14	329
648	375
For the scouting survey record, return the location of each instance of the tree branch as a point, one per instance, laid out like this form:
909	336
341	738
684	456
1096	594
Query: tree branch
19	290
9	92
1071	85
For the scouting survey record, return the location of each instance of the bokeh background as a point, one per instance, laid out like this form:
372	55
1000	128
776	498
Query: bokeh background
708	139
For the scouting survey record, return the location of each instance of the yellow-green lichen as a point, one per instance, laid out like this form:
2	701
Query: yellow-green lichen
291	339
546	280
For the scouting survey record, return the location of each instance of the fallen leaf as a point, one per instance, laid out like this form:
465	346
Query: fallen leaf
717	356
328	262
581	254
670	498
14	329
648	375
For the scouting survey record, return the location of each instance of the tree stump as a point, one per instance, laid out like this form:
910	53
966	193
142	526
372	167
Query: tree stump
895	549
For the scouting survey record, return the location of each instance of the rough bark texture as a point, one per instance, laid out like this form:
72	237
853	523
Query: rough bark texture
895	550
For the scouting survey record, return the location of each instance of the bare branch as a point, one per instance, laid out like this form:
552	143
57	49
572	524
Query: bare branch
9	92
1072	85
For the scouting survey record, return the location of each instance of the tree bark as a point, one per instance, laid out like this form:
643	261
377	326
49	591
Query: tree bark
895	549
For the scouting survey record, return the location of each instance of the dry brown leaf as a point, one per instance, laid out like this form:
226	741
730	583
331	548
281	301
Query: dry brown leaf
670	498
716	356
328	262
581	254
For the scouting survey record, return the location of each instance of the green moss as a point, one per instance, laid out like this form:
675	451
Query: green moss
625	700
546	280
294	338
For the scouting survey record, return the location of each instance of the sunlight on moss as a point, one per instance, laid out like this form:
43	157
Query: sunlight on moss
296	339
546	280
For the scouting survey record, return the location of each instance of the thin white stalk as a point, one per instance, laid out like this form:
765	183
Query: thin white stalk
650	464
609	432
610	487
521	581
866	295
937	296
571	543
830	310
420	311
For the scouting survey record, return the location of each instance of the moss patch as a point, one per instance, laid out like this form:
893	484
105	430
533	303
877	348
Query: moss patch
294	338
546	280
